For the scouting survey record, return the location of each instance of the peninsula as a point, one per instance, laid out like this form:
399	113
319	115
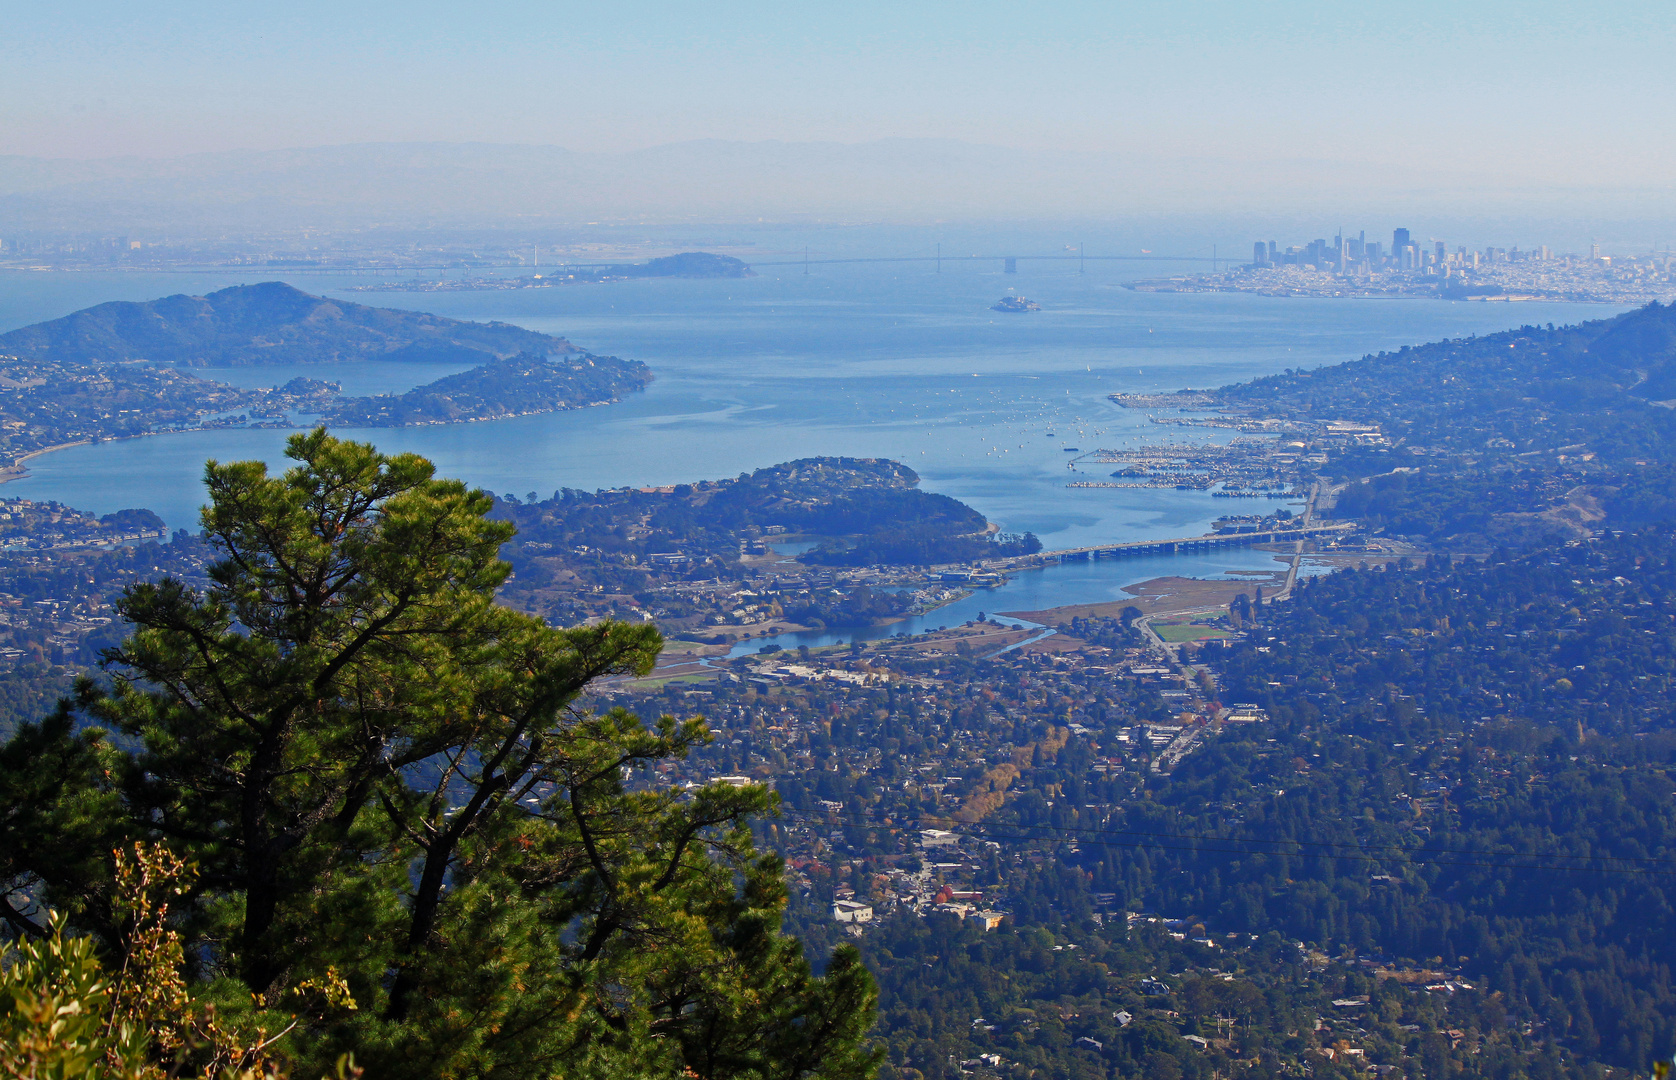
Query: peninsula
84	378
1524	438
517	386
699	557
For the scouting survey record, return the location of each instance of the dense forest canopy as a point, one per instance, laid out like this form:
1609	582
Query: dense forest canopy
867	510
1467	781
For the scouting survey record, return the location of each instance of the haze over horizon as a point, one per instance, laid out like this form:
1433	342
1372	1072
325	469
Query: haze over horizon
891	182
650	111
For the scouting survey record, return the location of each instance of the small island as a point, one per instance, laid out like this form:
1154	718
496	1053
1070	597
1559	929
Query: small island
1015	304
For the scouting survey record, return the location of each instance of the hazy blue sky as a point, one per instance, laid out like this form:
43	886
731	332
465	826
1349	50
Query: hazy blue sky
1536	92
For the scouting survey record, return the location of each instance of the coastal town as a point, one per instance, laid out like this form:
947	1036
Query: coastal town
945	778
45	404
986	702
1244	467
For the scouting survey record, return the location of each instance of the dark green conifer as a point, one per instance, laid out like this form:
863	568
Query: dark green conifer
384	777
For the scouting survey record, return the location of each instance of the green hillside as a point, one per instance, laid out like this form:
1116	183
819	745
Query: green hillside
267	323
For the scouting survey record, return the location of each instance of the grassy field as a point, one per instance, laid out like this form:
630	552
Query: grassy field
1173	632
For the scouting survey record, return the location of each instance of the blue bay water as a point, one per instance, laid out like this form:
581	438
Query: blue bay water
864	360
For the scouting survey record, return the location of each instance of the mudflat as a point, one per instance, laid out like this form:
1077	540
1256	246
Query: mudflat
1159	596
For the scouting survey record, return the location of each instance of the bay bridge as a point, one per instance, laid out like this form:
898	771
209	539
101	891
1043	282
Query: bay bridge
1009	263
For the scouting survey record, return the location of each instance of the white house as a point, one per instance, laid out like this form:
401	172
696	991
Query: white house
851	911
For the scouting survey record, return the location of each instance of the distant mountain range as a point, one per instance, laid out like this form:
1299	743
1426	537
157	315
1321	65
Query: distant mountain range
444	185
268	323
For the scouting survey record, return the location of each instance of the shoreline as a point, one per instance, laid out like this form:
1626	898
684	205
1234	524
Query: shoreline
18	470
1521	299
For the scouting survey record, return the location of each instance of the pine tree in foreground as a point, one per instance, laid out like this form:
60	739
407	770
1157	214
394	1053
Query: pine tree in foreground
387	785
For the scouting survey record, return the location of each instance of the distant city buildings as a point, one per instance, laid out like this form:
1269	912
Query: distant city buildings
1357	255
1356	266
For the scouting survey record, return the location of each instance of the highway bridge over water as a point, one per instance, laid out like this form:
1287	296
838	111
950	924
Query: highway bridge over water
1194	543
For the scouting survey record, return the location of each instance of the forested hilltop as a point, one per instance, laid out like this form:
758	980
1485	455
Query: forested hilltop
691	555
865	510
267	323
1524	437
1497	746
